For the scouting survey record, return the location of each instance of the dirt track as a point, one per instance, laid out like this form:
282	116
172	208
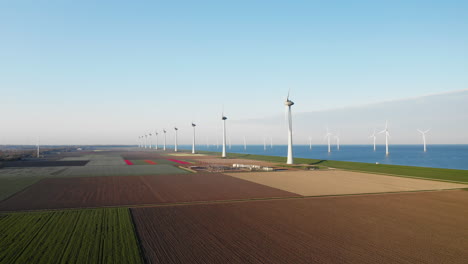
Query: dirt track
340	182
427	227
54	193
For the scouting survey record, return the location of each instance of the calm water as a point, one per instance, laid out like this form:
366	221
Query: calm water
437	156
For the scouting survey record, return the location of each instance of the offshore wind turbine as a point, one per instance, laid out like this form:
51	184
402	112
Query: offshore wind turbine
424	137
224	135
264	143
245	144
175	143
374	137
271	142
328	135
164	146
310	143
337	137
288	104
387	135
193	141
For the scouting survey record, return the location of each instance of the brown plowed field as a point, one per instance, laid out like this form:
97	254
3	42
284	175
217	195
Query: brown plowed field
390	228
44	163
54	193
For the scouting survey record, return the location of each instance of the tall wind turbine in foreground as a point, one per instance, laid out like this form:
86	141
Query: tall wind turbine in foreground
164	146
175	143
224	135
387	135
193	141
374	137
288	104
328	135
424	137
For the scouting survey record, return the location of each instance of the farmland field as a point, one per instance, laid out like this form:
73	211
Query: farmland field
336	182
391	228
119	170
74	236
55	193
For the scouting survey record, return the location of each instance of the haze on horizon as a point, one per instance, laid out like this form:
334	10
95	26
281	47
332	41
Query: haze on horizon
87	72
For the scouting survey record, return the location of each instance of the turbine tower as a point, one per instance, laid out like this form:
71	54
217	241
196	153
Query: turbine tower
193	142
424	137
150	140
310	142
164	146
271	142
37	148
245	145
288	104
224	135
156	134
328	135
175	143
337	137
387	135
264	143
374	137
146	140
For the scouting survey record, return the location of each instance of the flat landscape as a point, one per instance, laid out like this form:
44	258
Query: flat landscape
54	193
163	213
391	228
338	182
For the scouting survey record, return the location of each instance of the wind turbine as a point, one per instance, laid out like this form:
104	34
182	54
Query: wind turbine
310	143
387	135
151	140
264	143
156	134
374	137
146	140
139	142
271	142
175	143
164	146
193	142
224	135
37	148
288	104
337	137
328	135
245	145
424	137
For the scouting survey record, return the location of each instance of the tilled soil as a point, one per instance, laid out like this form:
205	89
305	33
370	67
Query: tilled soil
55	193
425	227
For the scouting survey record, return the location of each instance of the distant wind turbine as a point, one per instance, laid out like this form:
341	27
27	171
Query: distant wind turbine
150	141
164	146
288	104
423	133
245	145
374	137
175	143
387	135
156	134
310	142
38	147
328	135
337	137
193	141
224	135
264	143
271	142
146	140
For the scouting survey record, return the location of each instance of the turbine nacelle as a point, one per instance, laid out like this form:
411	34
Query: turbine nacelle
194	125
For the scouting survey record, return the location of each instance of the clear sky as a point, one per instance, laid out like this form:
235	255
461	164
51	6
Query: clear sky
89	72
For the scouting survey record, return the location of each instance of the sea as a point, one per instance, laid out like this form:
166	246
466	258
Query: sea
436	156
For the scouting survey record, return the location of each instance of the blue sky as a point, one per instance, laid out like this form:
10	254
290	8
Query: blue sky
88	69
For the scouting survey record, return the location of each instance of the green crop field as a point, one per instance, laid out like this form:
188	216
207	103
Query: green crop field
72	236
408	171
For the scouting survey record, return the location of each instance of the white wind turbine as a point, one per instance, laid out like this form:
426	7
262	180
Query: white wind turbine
328	135
374	137
245	144
423	133
264	143
150	140
146	140
193	141
289	103
271	142
175	143
139	141
310	142
387	135
38	148
164	146
156	134
337	137
224	135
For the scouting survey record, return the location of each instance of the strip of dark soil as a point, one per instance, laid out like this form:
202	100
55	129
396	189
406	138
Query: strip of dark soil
25	164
